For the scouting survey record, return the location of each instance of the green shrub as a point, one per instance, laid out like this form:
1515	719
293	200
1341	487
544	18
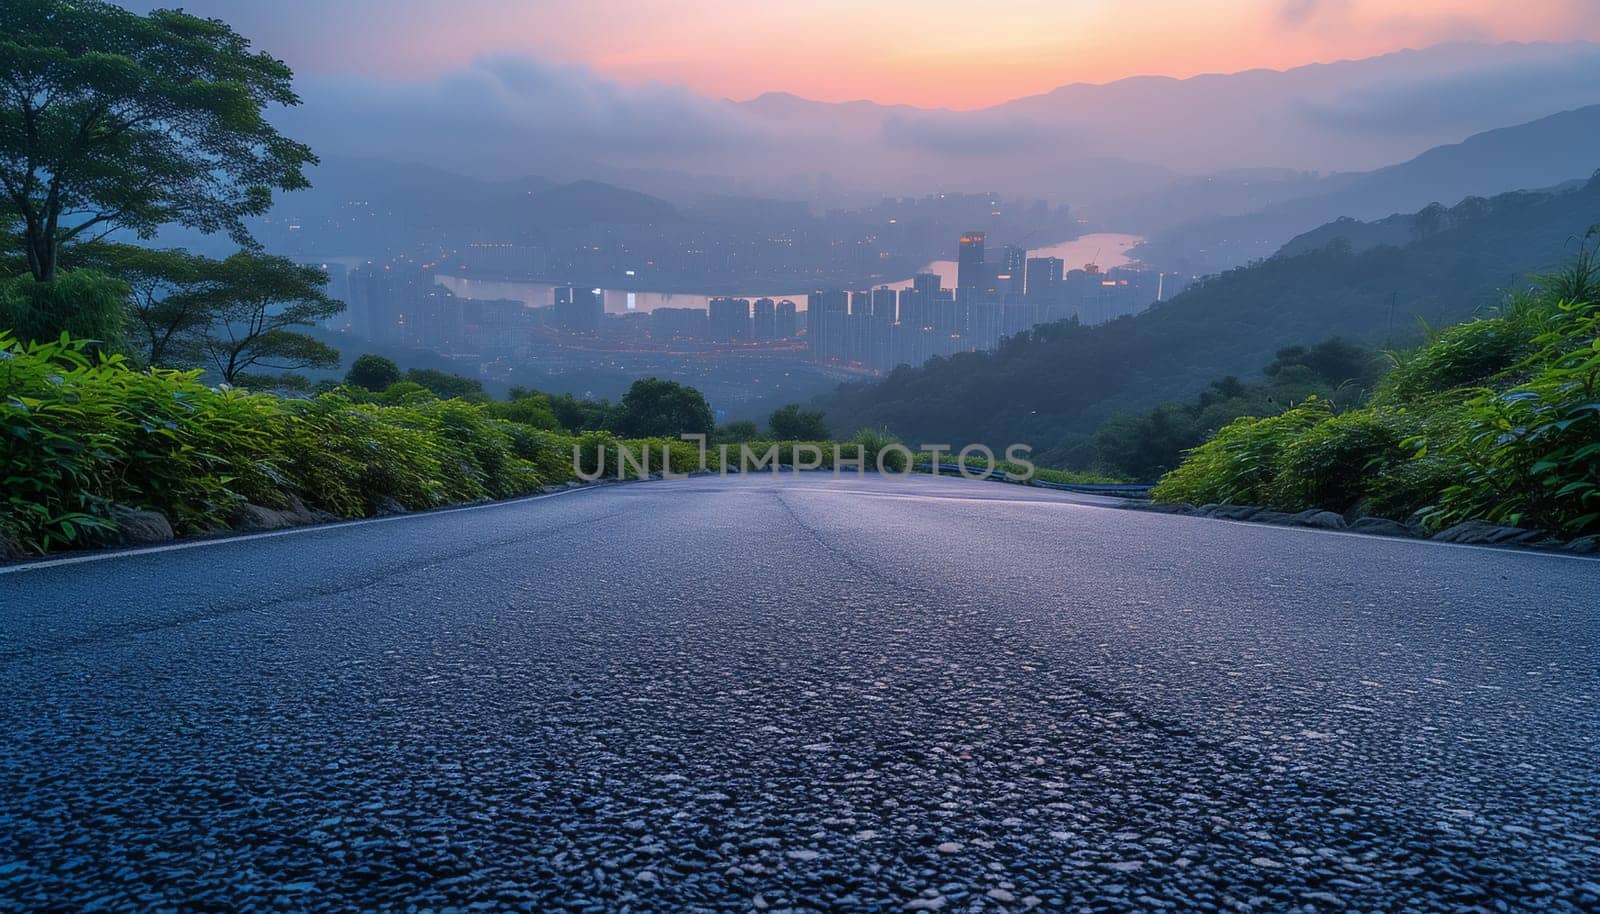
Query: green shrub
81	434
1333	463
876	441
1240	465
1529	455
83	304
532	410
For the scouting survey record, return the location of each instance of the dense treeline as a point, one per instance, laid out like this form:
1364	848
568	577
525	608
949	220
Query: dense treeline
1053	386
1145	445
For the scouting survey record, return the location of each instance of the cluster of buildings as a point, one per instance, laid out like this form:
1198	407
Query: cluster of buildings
400	304
882	328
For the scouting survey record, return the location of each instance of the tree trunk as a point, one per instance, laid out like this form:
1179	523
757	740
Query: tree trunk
41	254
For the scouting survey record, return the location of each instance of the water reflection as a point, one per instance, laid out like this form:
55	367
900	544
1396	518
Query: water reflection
1107	249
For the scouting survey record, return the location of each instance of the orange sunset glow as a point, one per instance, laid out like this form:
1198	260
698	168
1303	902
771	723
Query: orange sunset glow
935	53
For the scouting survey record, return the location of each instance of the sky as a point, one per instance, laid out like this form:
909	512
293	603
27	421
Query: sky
960	54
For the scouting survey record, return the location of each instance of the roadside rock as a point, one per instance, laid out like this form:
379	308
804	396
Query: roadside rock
1381	526
1234	512
1479	532
384	506
1271	517
134	527
1164	507
307	515
1324	520
137	527
255	518
1587	545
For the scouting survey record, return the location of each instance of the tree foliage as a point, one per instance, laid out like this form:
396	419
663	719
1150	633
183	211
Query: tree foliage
653	407
792	423
110	120
87	305
445	385
257	306
170	299
373	372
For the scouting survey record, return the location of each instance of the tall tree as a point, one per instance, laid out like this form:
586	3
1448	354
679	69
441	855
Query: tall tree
655	408
257	306
110	120
171	300
791	423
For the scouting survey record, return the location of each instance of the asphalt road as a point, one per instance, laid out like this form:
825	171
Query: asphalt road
809	694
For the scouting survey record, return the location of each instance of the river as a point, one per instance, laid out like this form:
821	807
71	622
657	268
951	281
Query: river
1108	249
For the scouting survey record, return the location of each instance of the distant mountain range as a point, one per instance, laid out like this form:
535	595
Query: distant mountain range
1051	387
1081	143
1538	154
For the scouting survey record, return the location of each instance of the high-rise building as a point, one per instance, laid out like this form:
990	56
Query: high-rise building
860	303
1013	261
679	323
883	304
579	310
787	322
971	269
827	312
1044	281
764	320
730	319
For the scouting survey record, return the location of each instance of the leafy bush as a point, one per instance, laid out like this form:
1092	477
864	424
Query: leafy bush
876	441
1242	463
530	409
374	372
81	434
1333	463
1461	356
1530	454
1497	419
84	304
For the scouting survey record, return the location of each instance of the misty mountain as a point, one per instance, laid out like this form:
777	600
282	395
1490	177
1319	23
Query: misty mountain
1538	154
505	116
1052	386
363	206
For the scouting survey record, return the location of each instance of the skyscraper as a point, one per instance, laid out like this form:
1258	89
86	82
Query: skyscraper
579	310
883	304
730	319
971	271
764	320
787	322
826	315
1013	259
1044	281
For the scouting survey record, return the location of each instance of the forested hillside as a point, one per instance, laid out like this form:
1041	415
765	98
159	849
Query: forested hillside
1052	386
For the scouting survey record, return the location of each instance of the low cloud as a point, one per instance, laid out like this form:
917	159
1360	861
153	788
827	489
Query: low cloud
514	115
1513	93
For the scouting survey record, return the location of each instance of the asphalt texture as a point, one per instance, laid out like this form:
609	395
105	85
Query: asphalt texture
802	693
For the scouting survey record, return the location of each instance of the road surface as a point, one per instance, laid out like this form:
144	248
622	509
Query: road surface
805	693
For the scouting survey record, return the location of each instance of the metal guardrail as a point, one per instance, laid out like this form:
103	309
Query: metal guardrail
1118	490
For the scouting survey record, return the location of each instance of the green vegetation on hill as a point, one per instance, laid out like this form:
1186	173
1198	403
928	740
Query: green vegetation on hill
1052	386
1146	445
1496	419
